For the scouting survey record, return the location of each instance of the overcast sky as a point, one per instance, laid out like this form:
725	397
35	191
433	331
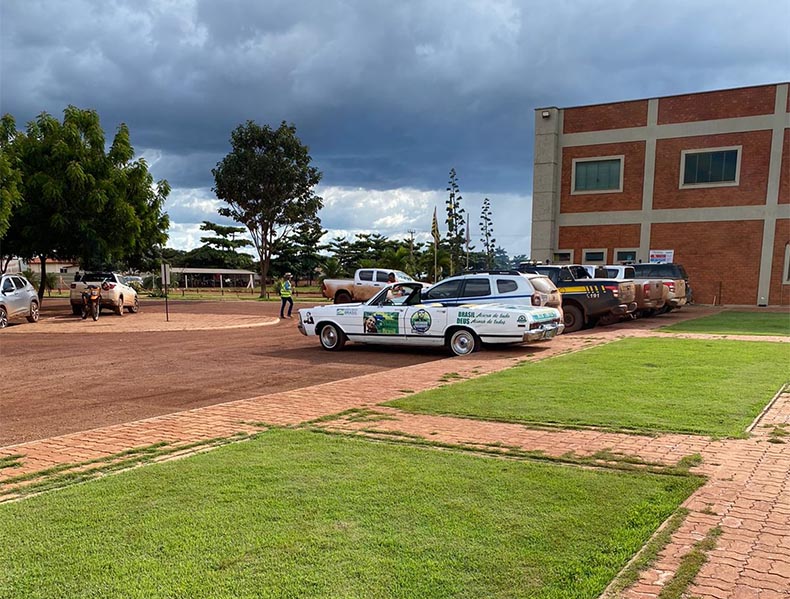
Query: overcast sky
389	95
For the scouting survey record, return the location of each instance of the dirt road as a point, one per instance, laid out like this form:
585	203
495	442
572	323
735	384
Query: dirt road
60	375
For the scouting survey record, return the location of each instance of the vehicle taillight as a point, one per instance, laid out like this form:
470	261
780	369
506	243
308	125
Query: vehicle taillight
615	289
671	285
646	288
536	301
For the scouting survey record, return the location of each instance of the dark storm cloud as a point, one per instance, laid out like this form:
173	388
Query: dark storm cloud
387	94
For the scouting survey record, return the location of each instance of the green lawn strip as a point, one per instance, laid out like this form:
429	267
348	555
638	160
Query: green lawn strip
11	461
75	472
647	556
689	567
707	387
736	323
293	513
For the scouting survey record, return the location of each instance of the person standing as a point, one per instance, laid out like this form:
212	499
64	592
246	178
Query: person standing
286	291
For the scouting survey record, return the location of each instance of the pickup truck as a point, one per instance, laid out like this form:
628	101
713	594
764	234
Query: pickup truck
651	294
675	279
115	293
366	283
585	300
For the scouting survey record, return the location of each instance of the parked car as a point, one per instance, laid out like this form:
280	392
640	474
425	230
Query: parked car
397	316
18	298
586	300
366	283
495	286
115	293
651	294
675	278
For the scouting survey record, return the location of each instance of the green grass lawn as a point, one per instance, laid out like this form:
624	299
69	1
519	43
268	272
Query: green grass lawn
711	387
737	323
305	514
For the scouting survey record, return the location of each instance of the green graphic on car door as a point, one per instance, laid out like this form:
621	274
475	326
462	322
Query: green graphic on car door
381	323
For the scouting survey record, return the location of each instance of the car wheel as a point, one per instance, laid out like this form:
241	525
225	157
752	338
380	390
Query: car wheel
3	317
463	342
76	309
119	307
33	316
574	319
331	337
135	307
343	298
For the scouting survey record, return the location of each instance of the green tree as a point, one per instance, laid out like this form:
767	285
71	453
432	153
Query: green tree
10	175
267	182
456	234
487	233
80	200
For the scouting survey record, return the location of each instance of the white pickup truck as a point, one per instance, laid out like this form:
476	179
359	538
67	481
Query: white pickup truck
115	293
366	283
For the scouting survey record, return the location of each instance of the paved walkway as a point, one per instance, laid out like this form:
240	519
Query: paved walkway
747	496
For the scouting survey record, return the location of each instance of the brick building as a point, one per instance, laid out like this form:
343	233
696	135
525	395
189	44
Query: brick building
704	176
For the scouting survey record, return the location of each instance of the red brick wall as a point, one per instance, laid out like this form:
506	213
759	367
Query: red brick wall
780	294
731	103
713	252
784	177
603	236
753	181
605	116
633	178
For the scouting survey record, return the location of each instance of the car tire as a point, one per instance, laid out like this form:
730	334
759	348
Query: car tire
34	313
331	337
119	307
135	307
3	317
574	319
343	297
76	309
463	342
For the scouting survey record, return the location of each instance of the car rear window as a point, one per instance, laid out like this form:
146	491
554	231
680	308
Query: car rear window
506	285
542	284
97	276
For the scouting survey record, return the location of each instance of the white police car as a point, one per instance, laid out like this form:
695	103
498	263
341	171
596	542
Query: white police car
398	316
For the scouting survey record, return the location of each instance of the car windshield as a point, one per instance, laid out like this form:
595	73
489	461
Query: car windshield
402	276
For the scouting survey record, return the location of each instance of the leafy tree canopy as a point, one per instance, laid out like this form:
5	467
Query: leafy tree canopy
267	183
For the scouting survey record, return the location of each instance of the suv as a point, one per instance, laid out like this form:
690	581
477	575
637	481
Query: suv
17	298
669	272
495	286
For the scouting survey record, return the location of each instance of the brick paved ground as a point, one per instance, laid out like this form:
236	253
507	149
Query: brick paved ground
747	496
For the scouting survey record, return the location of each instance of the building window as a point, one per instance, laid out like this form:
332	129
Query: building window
622	255
710	167
597	175
597	256
563	256
786	271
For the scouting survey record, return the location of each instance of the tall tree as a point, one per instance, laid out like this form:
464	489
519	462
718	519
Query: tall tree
80	200
487	233
10	175
267	182
224	237
456	234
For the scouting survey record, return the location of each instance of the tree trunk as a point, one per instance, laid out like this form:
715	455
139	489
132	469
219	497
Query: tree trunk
43	282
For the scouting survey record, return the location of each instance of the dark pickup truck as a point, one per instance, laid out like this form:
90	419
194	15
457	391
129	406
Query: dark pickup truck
586	300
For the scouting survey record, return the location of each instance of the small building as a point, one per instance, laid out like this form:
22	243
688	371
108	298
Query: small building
701	179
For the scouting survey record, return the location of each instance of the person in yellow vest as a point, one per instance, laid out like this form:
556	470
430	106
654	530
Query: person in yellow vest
286	291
